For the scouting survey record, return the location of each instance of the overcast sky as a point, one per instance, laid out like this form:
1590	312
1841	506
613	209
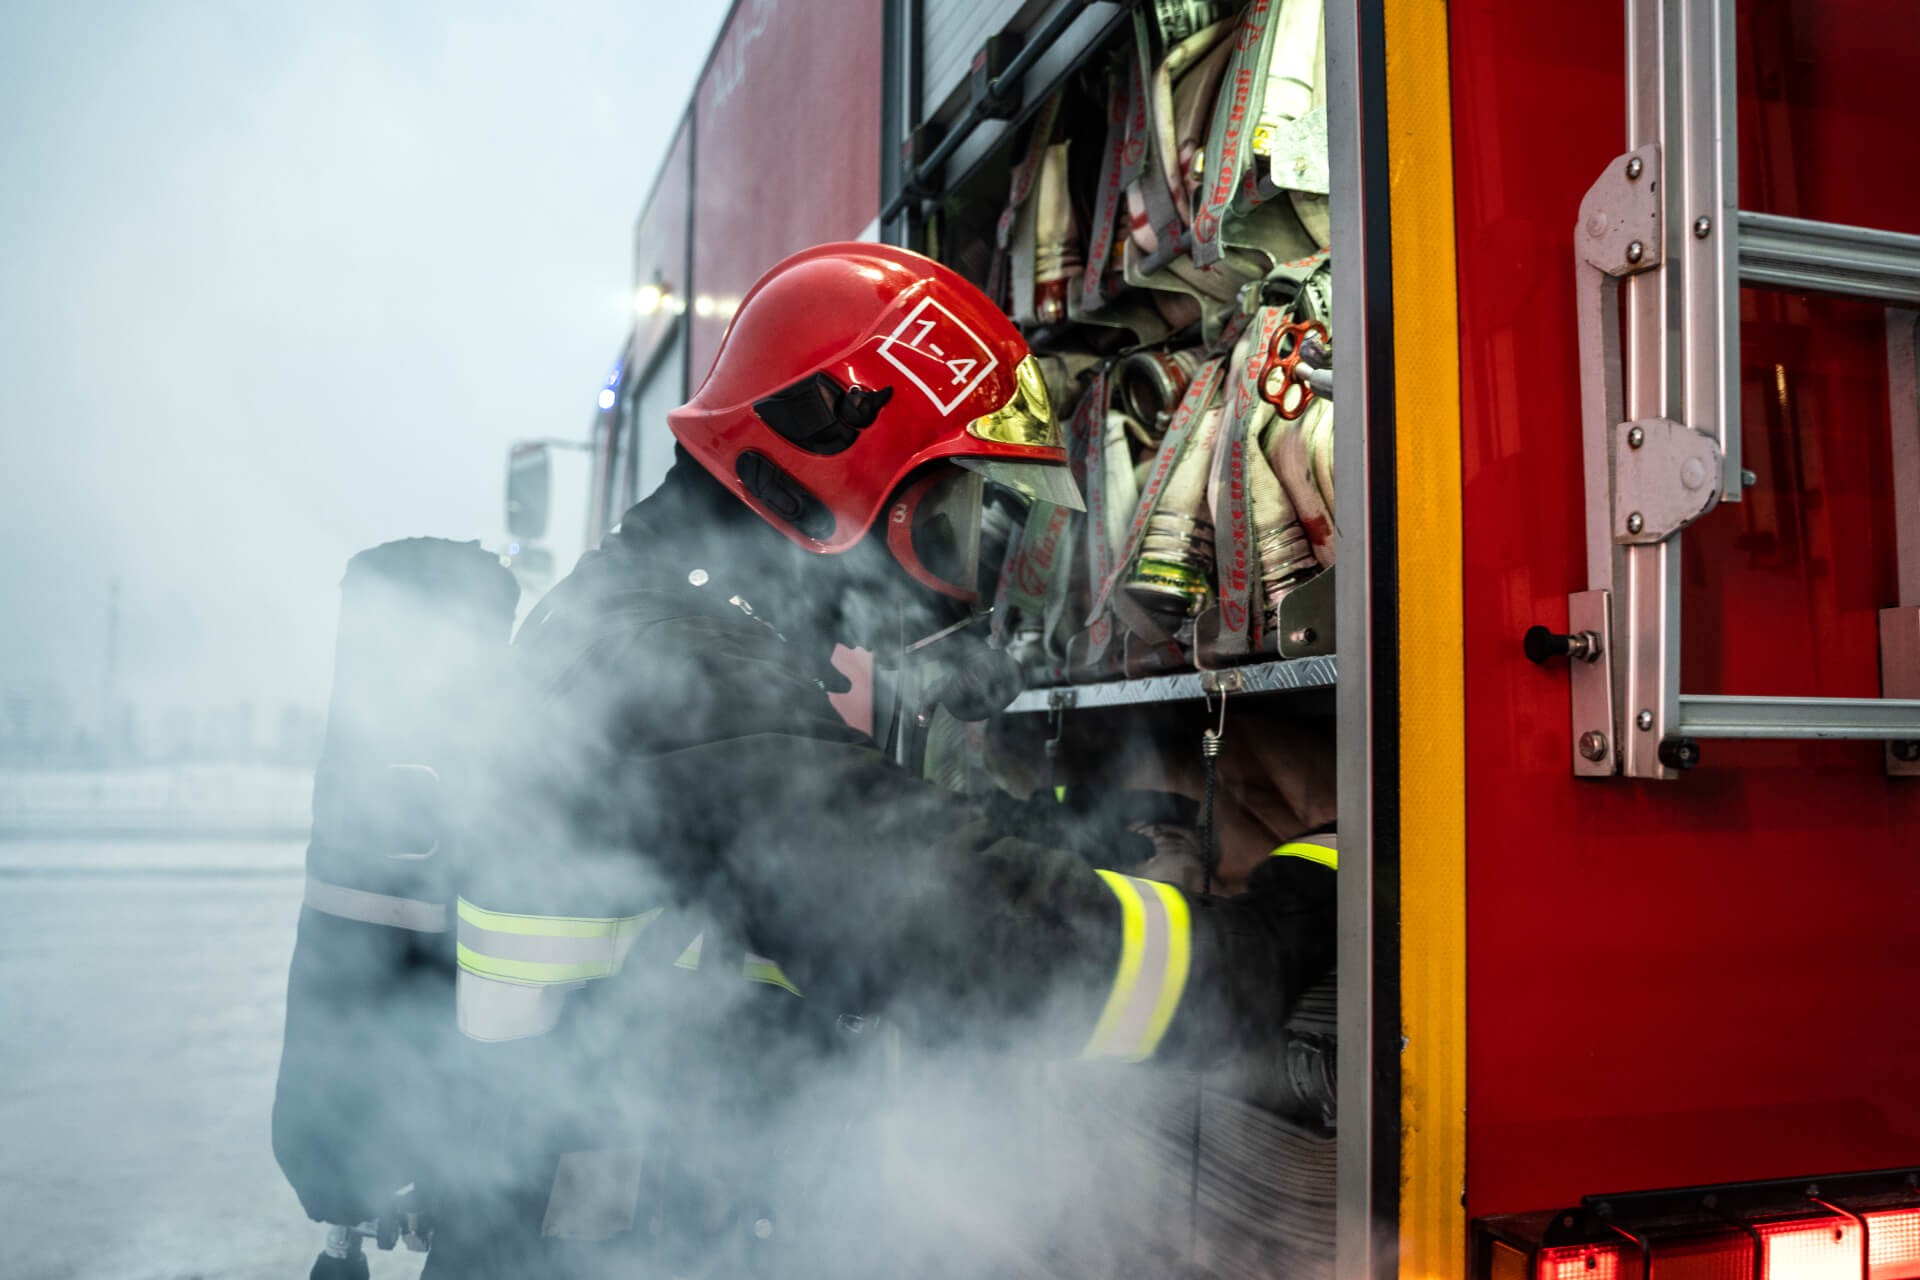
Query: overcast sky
281	280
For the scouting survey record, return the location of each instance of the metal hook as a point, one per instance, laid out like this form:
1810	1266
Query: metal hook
1210	739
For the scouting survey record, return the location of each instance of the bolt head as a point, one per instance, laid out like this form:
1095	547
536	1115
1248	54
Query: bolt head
1636	437
1907	751
1693	473
1702	227
1593	745
1748	479
698	577
1636	251
1644	720
1635	167
1636	522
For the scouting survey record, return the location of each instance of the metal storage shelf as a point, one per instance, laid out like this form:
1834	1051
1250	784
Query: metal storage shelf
1282	676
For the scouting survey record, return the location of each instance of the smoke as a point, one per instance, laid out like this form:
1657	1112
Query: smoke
282	283
284	292
914	1109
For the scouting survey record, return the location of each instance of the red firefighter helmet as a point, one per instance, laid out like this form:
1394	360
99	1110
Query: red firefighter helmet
848	368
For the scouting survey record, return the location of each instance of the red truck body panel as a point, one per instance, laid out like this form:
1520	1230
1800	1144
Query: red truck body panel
787	145
1713	978
660	248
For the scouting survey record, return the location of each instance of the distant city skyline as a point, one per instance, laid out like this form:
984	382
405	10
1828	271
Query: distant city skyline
41	727
283	282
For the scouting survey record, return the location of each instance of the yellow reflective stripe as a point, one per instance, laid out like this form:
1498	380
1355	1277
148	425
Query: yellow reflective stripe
1060	794
1324	854
1127	975
761	969
1179	961
690	958
555	926
1156	950
534	972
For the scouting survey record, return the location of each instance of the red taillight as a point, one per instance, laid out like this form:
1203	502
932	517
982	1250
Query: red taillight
1582	1262
1825	1249
1893	1245
1846	1226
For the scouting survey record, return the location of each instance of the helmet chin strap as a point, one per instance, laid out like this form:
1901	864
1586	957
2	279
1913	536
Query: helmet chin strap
946	631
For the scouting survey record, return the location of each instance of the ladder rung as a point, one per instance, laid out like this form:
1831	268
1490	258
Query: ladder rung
1717	716
1829	258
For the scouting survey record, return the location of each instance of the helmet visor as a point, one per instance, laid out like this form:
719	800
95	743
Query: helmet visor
1032	481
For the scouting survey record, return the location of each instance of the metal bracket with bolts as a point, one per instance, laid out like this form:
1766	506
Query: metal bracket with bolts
1666	475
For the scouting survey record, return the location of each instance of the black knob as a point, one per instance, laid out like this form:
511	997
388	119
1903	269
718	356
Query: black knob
1542	643
1679	753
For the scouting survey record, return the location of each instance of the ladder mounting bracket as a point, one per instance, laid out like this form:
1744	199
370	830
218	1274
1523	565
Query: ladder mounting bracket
1620	215
1666	475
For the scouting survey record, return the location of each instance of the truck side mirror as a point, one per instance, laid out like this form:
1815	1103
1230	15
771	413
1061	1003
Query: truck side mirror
529	489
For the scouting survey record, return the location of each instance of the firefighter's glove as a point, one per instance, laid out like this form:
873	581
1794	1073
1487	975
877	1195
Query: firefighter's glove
969	678
1253	956
1104	836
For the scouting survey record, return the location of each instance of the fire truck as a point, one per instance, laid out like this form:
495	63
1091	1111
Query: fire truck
1617	304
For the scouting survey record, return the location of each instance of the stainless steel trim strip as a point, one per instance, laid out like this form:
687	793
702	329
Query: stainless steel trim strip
1360	1251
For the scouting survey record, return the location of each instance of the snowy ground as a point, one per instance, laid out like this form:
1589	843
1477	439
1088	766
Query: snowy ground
141	985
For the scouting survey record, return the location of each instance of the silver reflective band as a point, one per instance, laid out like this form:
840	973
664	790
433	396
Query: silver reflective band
595	1194
516	970
376	908
545	949
1156	947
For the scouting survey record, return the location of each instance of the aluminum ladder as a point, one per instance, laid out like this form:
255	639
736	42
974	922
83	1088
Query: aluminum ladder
1661	251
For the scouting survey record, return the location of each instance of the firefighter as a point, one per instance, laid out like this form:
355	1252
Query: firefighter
696	870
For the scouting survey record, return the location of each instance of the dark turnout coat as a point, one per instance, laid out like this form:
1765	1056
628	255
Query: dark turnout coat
692	888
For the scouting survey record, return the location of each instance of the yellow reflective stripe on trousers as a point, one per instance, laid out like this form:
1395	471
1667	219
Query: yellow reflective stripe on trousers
1156	948
753	968
545	949
761	969
1323	849
515	970
553	926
